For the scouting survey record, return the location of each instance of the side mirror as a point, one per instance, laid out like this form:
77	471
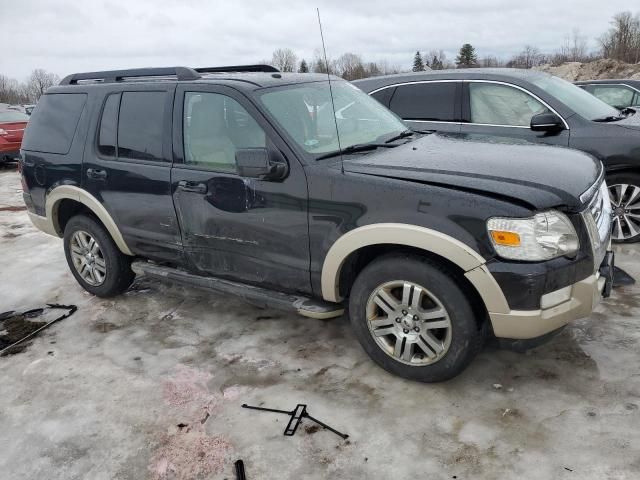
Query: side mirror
261	163
546	122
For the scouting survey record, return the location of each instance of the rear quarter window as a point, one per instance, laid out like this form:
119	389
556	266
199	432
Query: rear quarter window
53	124
433	101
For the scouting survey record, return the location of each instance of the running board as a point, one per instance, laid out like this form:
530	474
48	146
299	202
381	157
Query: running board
258	296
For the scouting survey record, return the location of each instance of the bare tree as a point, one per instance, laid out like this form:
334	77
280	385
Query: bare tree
11	91
573	48
350	66
285	60
529	57
38	83
319	64
387	68
490	61
622	41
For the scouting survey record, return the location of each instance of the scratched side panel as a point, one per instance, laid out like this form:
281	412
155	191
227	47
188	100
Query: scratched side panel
246	229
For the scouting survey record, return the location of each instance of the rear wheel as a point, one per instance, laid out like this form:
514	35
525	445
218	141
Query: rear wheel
413	319
624	191
94	259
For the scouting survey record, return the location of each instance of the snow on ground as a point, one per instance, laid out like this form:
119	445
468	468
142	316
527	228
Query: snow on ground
149	385
598	69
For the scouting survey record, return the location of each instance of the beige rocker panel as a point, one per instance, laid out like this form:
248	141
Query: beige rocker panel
413	236
75	193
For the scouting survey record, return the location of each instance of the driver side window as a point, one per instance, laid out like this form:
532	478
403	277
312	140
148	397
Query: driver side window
215	126
497	104
615	95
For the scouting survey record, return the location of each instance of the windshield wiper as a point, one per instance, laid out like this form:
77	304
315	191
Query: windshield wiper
403	134
610	118
359	147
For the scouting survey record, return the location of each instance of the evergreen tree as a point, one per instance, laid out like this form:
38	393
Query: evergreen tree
304	68
418	64
467	57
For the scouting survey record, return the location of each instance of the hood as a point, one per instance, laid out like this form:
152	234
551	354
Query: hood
632	121
540	176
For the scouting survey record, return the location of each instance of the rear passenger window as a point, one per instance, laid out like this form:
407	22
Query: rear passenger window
53	124
108	126
434	101
140	125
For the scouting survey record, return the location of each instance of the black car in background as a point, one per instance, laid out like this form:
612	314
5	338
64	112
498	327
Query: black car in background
529	105
617	93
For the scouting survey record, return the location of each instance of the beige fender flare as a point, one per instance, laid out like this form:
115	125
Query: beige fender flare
423	238
71	192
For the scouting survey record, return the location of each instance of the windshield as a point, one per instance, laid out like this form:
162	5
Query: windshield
13	116
305	112
577	99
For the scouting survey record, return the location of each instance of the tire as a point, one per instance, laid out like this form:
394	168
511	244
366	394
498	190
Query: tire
624	191
110	273
441	293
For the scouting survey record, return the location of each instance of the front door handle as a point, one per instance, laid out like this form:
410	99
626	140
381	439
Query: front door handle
195	187
96	174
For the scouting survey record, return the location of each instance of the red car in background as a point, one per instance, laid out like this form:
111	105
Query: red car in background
12	125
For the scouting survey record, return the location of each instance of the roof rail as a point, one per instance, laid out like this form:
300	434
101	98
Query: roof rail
238	68
110	76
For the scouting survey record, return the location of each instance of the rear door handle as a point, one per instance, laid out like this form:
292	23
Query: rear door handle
96	174
195	187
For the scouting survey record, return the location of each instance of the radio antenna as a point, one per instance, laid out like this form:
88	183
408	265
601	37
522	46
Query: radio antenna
333	105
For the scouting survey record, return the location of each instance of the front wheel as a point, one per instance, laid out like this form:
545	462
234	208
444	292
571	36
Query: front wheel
624	191
413	319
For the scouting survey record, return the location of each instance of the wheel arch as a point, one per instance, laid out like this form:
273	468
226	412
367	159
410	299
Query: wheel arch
388	236
65	200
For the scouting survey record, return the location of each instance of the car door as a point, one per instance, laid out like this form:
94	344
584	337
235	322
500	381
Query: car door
505	110
245	229
127	167
428	105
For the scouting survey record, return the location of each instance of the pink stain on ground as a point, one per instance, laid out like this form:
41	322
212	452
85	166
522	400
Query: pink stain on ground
185	456
187	387
190	452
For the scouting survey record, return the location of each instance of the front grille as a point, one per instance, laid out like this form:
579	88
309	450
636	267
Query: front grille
597	217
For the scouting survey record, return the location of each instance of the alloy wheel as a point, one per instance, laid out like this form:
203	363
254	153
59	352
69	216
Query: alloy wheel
409	323
625	200
88	259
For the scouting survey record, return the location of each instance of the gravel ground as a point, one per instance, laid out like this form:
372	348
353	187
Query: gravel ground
149	385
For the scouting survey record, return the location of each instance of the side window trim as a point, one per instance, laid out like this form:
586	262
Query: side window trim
517	87
99	126
166	159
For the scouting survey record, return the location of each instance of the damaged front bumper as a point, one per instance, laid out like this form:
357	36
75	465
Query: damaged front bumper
557	308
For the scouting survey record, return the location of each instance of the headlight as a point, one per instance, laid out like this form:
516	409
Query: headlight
542	237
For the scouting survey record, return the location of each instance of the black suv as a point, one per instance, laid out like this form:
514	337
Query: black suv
529	105
234	179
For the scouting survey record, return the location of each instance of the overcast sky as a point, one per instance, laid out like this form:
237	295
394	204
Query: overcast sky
66	36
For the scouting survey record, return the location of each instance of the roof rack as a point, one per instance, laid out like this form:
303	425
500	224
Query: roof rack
181	73
238	68
110	76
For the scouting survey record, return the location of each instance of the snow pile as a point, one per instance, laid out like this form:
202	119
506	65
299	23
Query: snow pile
596	70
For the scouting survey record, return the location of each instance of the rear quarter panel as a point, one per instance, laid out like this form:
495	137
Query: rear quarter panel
43	171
